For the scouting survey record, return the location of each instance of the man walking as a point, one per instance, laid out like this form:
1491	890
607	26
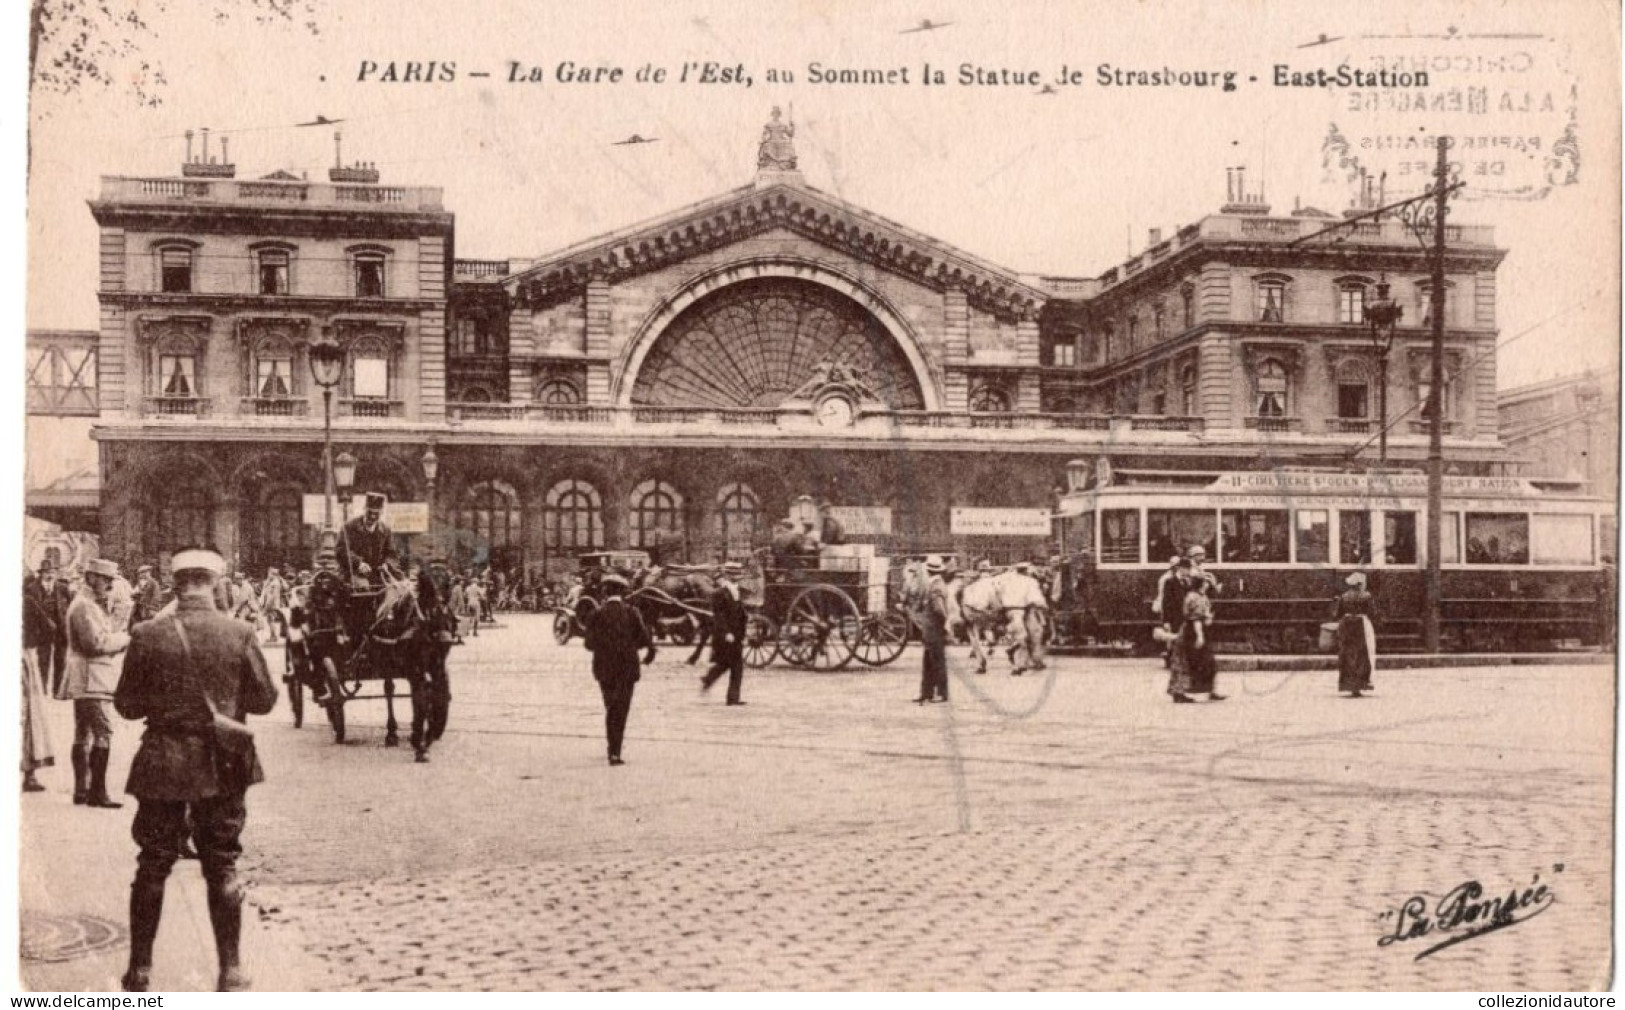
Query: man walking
193	675
934	635
90	677
615	635
728	621
274	601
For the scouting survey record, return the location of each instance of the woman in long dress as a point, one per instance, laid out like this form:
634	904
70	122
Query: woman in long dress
38	629
1194	639
1356	638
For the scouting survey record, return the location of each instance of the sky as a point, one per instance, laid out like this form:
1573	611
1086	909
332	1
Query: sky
1062	184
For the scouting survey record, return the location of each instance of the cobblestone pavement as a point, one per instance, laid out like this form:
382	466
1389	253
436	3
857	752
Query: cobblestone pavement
1066	831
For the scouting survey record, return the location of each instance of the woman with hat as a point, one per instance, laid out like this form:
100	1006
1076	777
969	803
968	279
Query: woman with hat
1356	638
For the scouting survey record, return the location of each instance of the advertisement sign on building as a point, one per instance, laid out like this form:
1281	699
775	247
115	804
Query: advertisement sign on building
974	522
863	520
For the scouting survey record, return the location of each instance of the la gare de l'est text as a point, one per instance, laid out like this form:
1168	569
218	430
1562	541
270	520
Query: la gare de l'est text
816	73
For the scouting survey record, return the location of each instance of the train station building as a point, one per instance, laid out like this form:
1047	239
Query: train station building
682	381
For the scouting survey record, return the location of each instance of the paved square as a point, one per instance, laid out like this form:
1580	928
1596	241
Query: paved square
1066	831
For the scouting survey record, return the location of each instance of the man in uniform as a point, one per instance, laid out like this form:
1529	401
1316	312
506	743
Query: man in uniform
95	644
367	543
934	636
615	635
728	633
193	676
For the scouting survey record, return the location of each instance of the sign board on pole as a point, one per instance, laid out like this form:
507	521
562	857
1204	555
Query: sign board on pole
400	516
975	522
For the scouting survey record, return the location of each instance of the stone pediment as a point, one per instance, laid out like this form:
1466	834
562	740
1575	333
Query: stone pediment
757	209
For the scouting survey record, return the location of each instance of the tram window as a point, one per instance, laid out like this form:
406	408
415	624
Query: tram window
1450	539
1256	536
1314	537
1174	531
1400	536
1561	540
1497	538
1353	538
1120	536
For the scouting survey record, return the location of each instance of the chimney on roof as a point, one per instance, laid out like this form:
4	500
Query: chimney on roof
361	171
1237	199
202	166
1154	239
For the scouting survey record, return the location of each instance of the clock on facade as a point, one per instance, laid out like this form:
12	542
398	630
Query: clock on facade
835	412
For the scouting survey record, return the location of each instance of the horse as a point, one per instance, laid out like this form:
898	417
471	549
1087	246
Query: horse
993	603
675	600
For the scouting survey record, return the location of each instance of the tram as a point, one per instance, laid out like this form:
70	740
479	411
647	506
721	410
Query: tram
1521	560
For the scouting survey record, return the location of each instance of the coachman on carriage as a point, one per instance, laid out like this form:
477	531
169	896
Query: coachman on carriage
361	619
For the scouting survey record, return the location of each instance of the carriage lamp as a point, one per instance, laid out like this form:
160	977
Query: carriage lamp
1382	314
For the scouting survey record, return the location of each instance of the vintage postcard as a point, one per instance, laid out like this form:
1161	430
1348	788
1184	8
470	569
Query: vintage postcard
820	496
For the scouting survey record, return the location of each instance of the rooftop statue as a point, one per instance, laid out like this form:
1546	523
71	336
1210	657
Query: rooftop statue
777	150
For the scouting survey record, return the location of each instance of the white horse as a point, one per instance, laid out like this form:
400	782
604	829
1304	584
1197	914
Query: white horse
1013	607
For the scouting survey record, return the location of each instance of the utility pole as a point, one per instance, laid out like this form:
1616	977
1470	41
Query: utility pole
1430	608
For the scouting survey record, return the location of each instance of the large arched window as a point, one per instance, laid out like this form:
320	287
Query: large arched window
572	517
182	517
1272	387
657	514
491	511
739	514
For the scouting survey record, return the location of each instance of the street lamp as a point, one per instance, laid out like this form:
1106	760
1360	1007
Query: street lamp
344	476
327	368
431	469
1382	314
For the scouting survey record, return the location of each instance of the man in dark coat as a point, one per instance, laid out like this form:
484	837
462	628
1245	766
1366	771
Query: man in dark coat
367	543
185	674
615	635
149	596
51	594
728	619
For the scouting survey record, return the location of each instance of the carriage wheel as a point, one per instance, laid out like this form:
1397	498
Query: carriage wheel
883	638
335	699
821	629
761	641
563	626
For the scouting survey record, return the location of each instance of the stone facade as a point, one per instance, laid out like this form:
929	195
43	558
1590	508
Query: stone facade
668	382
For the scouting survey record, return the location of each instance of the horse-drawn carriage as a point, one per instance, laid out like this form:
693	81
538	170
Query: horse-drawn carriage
343	637
826	610
674	600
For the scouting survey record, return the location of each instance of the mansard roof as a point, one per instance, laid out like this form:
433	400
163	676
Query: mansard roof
783	203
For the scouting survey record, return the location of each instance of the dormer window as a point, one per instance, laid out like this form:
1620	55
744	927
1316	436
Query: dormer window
273	271
369	274
175	269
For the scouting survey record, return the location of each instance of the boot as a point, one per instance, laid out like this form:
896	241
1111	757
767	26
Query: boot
146	909
98	781
81	773
226	916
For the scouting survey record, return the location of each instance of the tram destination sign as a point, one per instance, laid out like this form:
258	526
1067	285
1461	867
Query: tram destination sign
1383	485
